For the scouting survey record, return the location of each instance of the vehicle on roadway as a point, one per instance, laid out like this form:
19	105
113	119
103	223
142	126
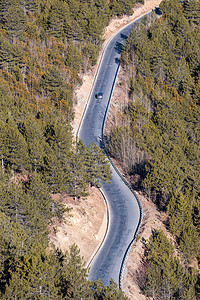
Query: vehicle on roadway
99	95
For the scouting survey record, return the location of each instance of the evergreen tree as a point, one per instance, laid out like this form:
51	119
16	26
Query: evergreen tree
14	148
192	11
112	292
77	184
32	131
98	167
35	277
59	12
166	278
179	211
109	292
74	57
74	283
31	5
196	215
47	207
189	243
52	80
15	20
14	243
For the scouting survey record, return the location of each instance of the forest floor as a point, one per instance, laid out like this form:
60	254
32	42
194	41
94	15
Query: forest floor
87	224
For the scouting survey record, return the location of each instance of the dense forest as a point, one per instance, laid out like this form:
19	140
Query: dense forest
158	140
45	47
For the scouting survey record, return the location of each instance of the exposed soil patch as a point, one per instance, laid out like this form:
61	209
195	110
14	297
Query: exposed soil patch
85	227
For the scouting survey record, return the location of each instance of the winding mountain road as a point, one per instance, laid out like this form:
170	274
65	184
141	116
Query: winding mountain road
124	210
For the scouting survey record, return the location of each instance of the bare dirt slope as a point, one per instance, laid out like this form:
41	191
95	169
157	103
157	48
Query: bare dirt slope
85	225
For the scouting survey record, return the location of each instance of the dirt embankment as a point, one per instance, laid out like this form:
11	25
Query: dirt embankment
87	225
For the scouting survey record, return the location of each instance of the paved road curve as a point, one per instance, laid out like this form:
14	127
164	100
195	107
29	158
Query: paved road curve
124	211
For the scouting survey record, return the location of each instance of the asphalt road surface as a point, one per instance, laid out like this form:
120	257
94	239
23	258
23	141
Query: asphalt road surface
124	211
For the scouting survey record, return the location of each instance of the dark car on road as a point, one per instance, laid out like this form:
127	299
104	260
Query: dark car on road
99	95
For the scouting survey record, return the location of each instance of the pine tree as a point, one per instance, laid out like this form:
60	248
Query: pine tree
43	199
165	275
11	56
15	21
13	202
35	277
189	243
112	292
59	137
52	80
196	214
53	172
32	131
77	184
192	11
14	244
180	214
14	147
59	12
31	5
115	8
99	166
74	57
74	283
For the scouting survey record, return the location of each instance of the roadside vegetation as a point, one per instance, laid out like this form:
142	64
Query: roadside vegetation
158	141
